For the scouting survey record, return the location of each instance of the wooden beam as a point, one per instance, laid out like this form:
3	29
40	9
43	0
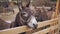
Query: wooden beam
47	30
57	8
25	28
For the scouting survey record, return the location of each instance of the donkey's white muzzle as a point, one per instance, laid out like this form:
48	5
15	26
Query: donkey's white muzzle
33	23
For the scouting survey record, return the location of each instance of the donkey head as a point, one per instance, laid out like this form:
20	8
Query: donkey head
28	16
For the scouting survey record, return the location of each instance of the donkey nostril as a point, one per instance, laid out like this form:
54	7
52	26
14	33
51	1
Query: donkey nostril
35	26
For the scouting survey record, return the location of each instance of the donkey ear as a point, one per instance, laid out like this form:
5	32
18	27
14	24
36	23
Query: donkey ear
19	3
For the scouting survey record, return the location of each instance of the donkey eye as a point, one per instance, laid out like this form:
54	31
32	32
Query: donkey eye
24	13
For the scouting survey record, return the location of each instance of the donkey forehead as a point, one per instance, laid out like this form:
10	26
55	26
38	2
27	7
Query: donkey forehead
26	11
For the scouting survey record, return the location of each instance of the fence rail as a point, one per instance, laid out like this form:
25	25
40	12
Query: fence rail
43	28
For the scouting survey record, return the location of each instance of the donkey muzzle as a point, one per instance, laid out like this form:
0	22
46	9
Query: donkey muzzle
35	26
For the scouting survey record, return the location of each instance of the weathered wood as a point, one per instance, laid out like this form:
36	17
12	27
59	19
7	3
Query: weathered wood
57	8
53	25
25	28
47	30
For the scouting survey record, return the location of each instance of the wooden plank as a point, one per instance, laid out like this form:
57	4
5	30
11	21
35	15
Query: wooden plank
52	32
57	31
14	30
47	30
57	8
25	28
44	23
59	13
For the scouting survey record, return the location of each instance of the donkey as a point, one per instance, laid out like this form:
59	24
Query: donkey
39	13
25	17
4	24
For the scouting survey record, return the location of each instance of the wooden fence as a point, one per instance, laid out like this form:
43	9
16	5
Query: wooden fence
45	27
